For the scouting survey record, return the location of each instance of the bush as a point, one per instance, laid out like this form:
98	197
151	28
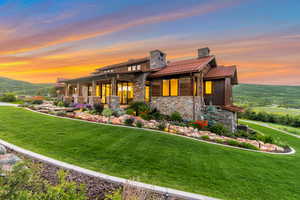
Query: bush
199	124
205	137
219	129
145	116
98	107
139	124
107	112
155	114
139	107
118	112
130	111
233	143
60	104
248	146
8	97
161	126
25	183
129	121
38	102
176	116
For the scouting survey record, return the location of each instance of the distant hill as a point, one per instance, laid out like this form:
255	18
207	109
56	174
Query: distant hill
266	95
23	88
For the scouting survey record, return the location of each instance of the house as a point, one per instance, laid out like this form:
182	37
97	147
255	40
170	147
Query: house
186	86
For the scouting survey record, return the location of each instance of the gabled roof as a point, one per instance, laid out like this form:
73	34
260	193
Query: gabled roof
222	72
184	66
129	62
233	108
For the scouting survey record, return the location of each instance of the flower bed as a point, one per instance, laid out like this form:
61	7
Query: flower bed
166	126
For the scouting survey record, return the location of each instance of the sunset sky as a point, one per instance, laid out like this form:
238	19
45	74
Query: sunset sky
41	40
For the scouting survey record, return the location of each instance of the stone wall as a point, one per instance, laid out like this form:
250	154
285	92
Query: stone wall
139	87
113	101
227	118
182	104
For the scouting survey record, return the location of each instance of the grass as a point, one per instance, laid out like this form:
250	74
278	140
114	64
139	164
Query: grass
157	158
278	110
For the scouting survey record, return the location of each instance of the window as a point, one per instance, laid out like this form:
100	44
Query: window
133	67
208	87
147	93
174	87
97	90
170	87
129	68
138	67
166	87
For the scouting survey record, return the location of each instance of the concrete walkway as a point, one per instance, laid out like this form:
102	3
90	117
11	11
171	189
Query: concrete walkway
8	104
268	126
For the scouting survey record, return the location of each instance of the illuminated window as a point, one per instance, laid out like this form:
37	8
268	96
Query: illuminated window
147	93
195	87
133	67
129	68
208	87
174	87
138	67
97	90
170	87
166	87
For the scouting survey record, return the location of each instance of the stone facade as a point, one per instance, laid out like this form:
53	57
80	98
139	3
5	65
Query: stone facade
113	101
227	118
67	99
139	87
188	106
94	100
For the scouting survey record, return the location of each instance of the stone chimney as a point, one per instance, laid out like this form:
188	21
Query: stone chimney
203	52
157	59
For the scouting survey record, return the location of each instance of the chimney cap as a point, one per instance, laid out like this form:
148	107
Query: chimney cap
203	52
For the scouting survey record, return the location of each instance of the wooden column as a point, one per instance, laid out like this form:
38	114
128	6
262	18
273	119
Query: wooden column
93	88
228	92
78	90
67	91
114	86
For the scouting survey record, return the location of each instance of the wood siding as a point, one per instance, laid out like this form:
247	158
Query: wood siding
185	87
218	93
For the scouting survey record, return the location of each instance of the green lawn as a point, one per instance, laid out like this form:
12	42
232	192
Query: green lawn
157	158
285	128
278	110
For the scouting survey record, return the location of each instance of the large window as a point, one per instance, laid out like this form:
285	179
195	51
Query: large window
125	92
208	87
170	87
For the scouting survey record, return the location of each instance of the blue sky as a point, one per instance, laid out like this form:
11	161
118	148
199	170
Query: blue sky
43	40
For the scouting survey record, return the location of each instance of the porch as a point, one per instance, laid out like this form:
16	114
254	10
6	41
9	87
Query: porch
114	90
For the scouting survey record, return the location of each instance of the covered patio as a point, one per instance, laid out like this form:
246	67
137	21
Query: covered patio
113	89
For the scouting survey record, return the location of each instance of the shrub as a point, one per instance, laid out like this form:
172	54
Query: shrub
118	112
60	104
219	141
248	146
176	116
130	111
233	143
205	137
37	102
8	97
200	124
139	124
129	121
161	126
266	139
107	112
98	107
219	129
241	133
139	107
25	183
155	114
145	116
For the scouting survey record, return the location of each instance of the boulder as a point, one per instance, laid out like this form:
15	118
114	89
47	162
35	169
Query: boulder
9	159
2	150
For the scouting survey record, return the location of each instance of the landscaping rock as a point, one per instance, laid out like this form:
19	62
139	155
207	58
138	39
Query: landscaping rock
9	158
2	150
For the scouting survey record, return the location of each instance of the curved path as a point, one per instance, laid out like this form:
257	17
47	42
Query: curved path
268	126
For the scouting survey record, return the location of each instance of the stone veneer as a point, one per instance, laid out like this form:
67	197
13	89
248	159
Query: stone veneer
183	104
94	100
227	118
113	101
139	87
